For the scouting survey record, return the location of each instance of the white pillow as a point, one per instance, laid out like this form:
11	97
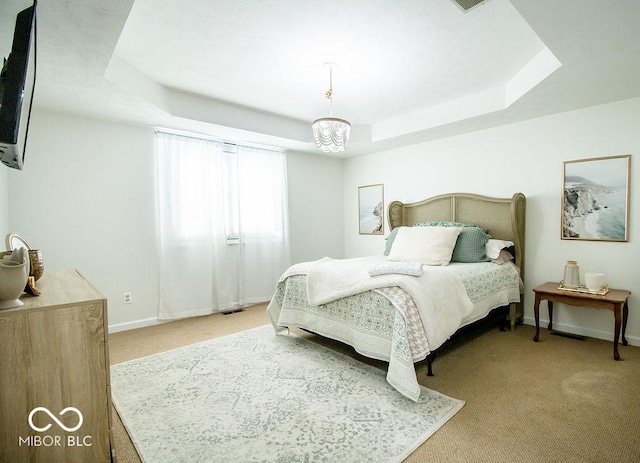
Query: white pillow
429	245
495	246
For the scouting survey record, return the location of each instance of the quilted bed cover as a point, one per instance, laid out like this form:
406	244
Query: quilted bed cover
392	317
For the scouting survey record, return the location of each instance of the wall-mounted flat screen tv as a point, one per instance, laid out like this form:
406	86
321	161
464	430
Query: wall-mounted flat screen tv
17	83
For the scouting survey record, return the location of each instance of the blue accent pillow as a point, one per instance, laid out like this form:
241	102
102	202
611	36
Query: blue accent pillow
471	246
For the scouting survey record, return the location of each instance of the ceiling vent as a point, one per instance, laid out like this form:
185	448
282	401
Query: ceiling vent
466	5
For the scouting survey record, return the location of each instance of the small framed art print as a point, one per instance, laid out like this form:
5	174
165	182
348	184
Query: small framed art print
371	209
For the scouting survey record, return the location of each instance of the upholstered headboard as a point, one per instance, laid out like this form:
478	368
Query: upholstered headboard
504	218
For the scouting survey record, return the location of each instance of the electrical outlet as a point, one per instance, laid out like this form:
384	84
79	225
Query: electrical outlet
127	298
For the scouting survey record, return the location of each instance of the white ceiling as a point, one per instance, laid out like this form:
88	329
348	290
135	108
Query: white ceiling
408	70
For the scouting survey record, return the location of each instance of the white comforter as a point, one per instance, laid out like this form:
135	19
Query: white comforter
440	296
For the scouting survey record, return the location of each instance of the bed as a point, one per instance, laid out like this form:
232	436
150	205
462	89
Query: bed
392	307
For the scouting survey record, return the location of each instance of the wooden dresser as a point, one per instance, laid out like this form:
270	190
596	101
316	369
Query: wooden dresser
55	400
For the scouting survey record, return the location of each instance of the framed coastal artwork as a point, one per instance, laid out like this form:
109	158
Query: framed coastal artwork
371	209
595	199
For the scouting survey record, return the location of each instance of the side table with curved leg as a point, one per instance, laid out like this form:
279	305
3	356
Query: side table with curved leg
615	300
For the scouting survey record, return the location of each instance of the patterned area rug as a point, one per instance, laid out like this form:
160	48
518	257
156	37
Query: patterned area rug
258	397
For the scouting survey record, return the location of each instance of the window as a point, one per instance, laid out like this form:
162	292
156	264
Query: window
222	224
205	182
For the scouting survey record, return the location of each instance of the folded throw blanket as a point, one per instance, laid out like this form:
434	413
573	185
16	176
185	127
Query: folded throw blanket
403	268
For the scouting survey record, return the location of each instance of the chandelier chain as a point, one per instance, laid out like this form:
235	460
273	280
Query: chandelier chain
329	93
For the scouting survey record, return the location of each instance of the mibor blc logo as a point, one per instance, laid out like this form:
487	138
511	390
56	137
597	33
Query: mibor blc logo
55	440
54	418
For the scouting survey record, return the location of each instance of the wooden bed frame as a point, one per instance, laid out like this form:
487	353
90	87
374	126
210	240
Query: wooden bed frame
504	219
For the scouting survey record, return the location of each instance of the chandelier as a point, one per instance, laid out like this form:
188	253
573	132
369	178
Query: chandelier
330	133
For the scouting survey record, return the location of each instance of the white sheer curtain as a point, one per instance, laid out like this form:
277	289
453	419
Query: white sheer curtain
262	222
222	225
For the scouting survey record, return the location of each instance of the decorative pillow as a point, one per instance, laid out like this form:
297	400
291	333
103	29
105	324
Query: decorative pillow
429	245
471	246
495	246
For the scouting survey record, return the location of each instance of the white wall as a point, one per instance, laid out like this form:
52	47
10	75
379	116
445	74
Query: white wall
86	199
4	205
525	157
315	206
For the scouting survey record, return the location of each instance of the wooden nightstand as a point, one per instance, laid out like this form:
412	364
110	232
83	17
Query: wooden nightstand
615	300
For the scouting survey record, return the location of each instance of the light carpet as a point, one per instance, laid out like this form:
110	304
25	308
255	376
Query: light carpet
257	397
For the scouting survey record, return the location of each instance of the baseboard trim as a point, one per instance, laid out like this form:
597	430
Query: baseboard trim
135	324
578	330
156	321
